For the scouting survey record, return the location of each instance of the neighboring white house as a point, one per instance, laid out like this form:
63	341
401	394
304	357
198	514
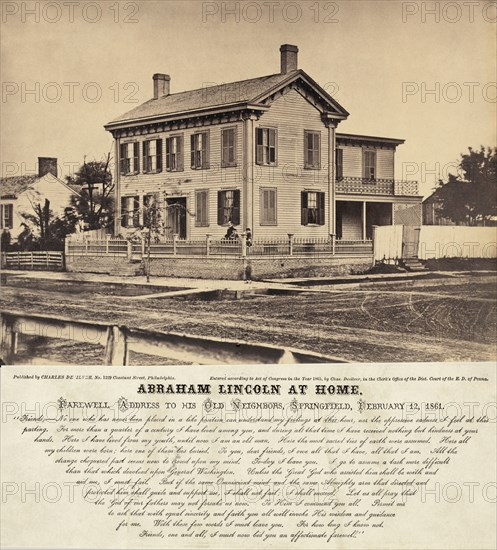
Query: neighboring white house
19	194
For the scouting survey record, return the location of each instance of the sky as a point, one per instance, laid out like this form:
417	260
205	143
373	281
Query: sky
421	71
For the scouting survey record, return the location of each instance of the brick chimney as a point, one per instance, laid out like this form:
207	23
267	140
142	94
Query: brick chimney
289	61
47	165
161	85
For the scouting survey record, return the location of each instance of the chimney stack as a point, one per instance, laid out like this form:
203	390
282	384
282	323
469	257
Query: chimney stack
161	85
47	165
289	60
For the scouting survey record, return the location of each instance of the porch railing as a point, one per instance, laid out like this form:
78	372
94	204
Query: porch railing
378	186
280	246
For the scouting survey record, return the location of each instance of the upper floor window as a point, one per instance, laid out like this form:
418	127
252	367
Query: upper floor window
174	153
228	147
369	164
129	158
312	208
339	164
200	150
228	207
152	155
6	216
312	149
265	152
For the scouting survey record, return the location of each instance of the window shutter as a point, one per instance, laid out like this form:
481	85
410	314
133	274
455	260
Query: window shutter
304	217
122	158
1	216
205	150
145	149
273	146
179	152
136	163
235	213
136	211
158	147
192	146
320	219
124	211
259	148
220	209
168	154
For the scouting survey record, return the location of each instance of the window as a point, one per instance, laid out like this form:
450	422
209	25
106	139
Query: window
312	150
268	206
200	150
228	147
228	207
265	146
152	155
129	158
201	208
174	154
130	211
369	163
312	208
6	216
339	164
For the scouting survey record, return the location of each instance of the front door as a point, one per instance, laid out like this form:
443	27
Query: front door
176	217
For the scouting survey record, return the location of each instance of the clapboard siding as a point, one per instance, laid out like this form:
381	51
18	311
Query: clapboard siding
291	114
353	161
187	181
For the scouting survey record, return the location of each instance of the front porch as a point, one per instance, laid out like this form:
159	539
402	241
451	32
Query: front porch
355	219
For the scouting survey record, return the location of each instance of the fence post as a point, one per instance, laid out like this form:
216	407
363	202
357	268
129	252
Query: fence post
8	338
47	257
175	243
333	243
129	249
244	245
290	243
66	247
208	243
32	260
116	349
86	246
142	247
107	239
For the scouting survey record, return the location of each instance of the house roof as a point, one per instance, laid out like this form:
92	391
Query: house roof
12	187
450	187
240	93
361	138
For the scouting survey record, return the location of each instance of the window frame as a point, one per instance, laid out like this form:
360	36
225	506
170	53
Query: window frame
158	156
203	222
204	165
226	163
259	147
320	209
180	165
367	177
7	221
308	165
135	157
266	221
235	209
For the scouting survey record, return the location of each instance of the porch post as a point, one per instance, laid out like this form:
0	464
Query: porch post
331	178
117	188
248	173
364	220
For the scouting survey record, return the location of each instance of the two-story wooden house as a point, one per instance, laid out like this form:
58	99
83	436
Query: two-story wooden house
261	153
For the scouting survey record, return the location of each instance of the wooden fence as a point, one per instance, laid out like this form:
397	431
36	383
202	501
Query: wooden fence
290	246
118	341
46	260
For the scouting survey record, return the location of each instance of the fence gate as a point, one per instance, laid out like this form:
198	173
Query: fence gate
410	241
